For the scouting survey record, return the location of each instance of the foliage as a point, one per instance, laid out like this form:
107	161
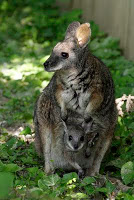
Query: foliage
29	29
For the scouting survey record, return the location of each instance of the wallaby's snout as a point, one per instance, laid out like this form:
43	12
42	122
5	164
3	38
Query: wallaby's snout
49	64
46	64
52	63
76	146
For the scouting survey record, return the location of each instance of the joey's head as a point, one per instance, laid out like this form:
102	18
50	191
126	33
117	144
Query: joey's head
74	137
66	54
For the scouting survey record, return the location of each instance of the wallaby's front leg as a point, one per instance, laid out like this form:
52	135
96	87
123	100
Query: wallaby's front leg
74	164
91	142
61	102
63	111
38	146
94	103
87	126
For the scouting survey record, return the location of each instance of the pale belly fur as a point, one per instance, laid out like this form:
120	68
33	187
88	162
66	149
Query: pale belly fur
76	100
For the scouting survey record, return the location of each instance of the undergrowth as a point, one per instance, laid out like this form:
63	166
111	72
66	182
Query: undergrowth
28	31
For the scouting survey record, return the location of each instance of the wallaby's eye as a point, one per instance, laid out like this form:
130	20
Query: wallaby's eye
65	55
70	137
82	138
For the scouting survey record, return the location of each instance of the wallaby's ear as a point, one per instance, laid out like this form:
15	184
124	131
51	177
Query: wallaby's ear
71	30
64	124
83	34
87	126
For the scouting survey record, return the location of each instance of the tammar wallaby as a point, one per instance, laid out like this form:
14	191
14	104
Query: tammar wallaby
67	149
81	88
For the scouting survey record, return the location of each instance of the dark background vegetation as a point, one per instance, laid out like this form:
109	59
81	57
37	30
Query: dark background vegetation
28	31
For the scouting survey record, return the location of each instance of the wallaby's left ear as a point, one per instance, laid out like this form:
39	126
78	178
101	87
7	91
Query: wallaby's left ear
71	30
83	34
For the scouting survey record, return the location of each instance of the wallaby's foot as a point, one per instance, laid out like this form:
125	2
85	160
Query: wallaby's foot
49	170
81	174
91	171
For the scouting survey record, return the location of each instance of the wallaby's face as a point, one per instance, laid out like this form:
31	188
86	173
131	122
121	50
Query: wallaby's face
65	54
74	138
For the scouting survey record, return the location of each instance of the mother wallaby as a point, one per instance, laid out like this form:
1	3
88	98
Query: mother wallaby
81	89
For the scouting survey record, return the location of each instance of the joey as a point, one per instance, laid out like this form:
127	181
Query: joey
74	141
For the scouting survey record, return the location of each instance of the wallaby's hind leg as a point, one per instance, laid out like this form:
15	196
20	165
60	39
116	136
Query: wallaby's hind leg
47	142
38	145
100	150
71	161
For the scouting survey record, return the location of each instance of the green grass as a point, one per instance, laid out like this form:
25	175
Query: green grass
28	32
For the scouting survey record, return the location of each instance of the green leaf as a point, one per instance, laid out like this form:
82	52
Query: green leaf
69	176
131	125
12	167
28	160
36	192
9	167
89	189
2	166
33	170
117	163
26	131
10	143
87	181
6	183
127	172
50	180
103	189
3	152
79	195
42	185
110	187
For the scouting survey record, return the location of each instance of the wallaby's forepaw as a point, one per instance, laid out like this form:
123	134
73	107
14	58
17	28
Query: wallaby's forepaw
87	153
49	170
87	125
88	119
81	174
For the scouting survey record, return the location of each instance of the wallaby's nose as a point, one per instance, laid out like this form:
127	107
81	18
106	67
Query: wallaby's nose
75	146
46	64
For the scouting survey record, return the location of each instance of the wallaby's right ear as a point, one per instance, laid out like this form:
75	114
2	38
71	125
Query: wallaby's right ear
71	30
83	34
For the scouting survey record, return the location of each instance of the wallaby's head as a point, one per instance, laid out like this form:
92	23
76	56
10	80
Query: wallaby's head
74	137
66	54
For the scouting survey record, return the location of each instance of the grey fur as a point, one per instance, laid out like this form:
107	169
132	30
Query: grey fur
75	146
80	89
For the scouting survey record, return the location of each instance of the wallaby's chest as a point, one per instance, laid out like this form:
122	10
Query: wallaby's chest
76	98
